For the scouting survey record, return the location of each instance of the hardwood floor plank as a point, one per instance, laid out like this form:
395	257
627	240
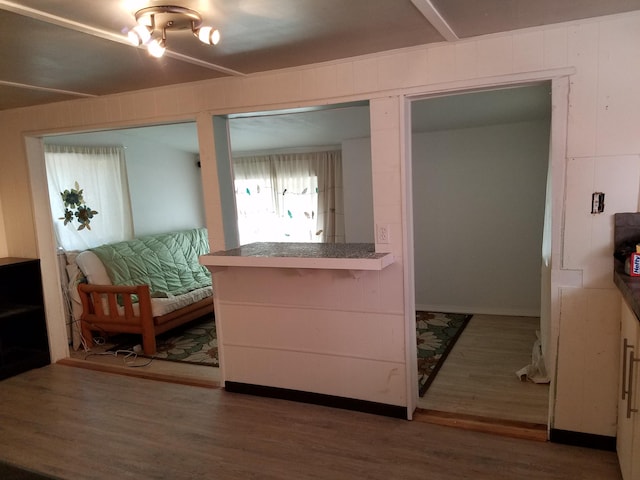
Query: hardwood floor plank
478	378
479	375
82	424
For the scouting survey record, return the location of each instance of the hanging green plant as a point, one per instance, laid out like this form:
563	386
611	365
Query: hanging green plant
84	215
72	197
73	200
68	216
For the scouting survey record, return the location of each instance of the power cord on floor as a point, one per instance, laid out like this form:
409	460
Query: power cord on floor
129	358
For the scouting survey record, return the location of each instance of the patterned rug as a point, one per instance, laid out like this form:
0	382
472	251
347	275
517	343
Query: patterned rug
436	334
195	342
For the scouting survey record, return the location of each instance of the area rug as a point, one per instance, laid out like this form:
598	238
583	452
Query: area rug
436	334
195	342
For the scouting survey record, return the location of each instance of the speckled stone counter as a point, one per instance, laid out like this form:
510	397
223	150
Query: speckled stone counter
629	287
331	256
626	230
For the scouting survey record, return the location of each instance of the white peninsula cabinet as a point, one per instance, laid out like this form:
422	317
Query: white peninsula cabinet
628	435
312	322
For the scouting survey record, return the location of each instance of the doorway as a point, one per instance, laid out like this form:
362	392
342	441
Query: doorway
480	162
144	208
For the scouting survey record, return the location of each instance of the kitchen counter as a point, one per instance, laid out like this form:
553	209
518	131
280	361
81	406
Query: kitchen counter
328	256
629	287
312	321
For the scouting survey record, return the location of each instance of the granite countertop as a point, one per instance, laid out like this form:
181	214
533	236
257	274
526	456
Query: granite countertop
629	287
626	234
340	256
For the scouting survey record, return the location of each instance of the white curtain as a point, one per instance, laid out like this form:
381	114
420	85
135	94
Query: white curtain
101	175
290	197
330	197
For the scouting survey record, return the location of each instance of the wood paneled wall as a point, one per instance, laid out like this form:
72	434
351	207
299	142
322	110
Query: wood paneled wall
599	56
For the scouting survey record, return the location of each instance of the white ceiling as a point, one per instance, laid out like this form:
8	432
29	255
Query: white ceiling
54	50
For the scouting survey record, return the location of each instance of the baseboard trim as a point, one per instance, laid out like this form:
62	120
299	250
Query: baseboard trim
344	403
507	428
136	372
580	439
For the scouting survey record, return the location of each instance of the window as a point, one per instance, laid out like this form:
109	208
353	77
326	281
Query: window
290	198
268	216
101	174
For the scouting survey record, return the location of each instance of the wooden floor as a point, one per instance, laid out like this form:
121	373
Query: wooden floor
81	424
478	377
476	383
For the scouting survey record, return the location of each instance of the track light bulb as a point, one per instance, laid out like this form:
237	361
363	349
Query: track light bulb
208	35
156	48
139	35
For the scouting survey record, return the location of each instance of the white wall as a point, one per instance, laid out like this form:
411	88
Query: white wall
227	188
599	57
165	189
478	201
357	191
164	183
590	326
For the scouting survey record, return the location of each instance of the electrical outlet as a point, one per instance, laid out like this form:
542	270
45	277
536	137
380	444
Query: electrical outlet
382	234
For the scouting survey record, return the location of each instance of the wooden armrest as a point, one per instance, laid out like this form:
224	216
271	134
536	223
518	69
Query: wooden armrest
92	296
120	316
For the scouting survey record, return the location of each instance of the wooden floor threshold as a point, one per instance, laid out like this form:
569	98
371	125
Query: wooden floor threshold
139	373
507	428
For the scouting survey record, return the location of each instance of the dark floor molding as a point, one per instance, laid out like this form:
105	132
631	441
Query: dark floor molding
580	439
9	471
318	399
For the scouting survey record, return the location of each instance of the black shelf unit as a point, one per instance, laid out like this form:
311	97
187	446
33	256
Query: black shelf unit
24	344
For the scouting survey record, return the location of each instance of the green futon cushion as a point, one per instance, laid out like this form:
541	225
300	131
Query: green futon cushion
167	262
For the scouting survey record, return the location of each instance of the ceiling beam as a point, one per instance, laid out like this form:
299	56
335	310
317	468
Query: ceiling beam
433	16
45	89
104	34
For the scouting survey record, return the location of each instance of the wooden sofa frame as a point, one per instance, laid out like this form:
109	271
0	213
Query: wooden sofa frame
119	315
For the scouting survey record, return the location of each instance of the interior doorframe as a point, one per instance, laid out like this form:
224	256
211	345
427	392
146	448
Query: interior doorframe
559	79
55	315
46	244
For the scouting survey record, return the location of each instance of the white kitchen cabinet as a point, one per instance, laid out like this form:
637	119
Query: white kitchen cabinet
628	435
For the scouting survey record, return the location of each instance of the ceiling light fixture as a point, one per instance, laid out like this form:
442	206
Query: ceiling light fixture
168	17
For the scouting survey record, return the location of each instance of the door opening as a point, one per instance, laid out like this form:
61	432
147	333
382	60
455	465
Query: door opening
480	163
